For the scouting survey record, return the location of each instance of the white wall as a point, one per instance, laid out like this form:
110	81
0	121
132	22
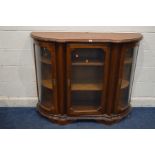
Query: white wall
17	72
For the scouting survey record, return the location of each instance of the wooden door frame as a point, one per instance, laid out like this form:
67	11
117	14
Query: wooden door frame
106	50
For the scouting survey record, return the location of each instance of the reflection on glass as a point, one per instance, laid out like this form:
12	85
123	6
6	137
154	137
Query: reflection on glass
87	78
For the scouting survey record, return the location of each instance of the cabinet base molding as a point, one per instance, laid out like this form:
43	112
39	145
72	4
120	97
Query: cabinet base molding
66	119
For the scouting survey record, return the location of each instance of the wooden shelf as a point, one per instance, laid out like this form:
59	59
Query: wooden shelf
86	87
89	63
94	87
47	84
46	61
124	84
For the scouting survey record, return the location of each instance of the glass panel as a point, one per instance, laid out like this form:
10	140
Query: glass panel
44	76
87	75
86	100
87	78
87	57
129	66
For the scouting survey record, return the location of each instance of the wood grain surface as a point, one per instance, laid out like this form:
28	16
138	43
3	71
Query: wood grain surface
86	37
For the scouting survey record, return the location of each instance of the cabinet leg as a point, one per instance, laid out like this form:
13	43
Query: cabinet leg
61	121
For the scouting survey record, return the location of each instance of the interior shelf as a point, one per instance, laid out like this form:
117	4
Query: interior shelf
47	84
46	61
86	87
94	87
124	84
89	63
95	63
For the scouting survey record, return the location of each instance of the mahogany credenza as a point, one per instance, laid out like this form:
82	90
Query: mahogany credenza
83	76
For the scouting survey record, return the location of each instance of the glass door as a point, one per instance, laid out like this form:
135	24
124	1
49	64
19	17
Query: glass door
86	69
130	55
46	75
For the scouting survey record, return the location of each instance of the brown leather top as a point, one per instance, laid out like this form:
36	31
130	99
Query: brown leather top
86	37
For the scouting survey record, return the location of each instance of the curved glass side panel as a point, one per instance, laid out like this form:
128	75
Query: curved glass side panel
127	77
44	77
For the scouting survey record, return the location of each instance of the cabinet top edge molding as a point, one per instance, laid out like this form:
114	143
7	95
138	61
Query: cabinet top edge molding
86	37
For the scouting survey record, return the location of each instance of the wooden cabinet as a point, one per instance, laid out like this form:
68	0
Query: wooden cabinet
85	75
